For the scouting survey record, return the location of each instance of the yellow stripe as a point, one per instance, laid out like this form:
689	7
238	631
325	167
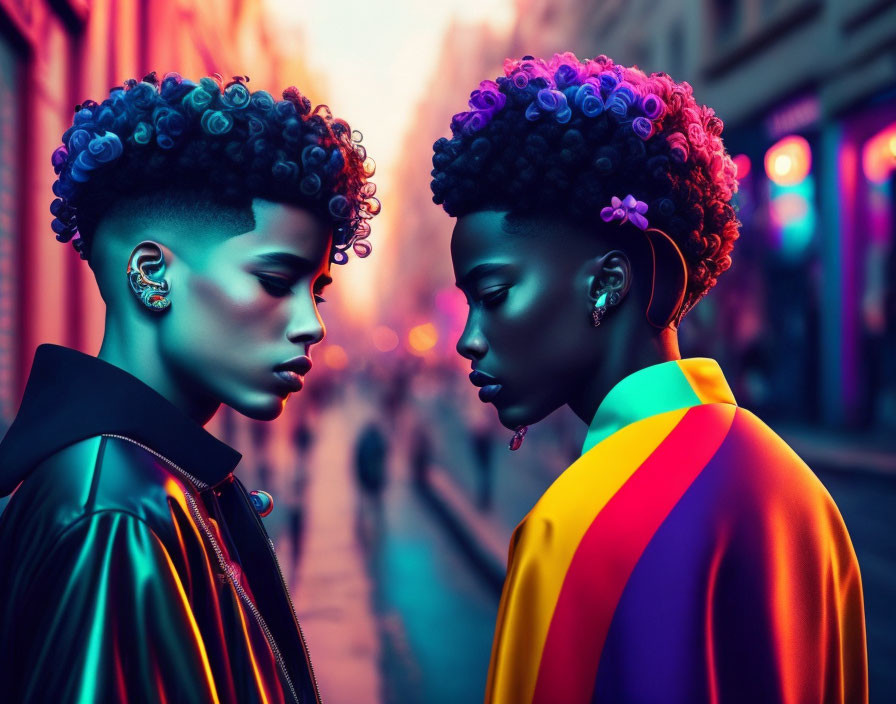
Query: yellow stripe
706	379
543	546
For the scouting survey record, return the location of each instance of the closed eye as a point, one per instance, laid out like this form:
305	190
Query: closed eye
493	297
275	286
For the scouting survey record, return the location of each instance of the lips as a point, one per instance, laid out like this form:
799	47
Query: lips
291	378
292	373
489	386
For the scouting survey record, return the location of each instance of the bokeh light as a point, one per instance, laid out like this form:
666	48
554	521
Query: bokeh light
385	339
788	161
879	155
335	357
422	338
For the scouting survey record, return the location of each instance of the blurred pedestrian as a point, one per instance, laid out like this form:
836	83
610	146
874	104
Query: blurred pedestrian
370	470
482	440
303	437
420	453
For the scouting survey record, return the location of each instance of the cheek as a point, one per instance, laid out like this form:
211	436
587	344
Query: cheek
530	321
227	316
239	301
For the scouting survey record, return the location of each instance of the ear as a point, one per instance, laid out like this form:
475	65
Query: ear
610	278
146	275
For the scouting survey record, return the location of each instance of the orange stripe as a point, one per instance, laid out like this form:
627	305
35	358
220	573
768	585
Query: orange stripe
706	379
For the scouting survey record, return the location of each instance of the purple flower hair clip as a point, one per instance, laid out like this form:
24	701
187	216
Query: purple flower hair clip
628	209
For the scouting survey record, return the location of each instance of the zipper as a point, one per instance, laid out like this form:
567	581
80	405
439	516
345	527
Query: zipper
273	553
197	516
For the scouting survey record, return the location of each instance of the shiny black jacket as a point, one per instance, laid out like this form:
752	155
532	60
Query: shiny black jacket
133	566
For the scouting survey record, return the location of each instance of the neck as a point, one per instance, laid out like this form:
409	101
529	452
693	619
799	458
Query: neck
143	361
620	360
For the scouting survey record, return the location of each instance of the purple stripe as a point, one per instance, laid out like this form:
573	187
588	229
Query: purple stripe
656	647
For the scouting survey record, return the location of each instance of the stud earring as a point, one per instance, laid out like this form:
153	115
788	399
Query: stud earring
153	294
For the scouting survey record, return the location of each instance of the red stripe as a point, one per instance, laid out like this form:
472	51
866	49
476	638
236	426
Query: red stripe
612	546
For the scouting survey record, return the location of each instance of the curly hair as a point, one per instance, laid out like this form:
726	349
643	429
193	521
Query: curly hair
222	141
564	136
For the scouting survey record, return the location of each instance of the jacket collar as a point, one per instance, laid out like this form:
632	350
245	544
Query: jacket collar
656	389
72	396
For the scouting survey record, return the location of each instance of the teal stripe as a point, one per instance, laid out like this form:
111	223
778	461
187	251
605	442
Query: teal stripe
656	389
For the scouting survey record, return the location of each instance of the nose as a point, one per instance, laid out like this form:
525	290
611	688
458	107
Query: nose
472	344
306	326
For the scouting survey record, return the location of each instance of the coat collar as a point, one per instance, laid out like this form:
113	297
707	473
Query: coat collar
72	396
656	389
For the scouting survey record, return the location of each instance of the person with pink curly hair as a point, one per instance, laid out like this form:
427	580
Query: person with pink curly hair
688	555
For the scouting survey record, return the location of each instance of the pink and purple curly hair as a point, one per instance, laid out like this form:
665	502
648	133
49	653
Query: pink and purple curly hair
564	136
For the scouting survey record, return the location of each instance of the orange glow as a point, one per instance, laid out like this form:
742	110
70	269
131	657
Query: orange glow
259	680
785	594
708	620
423	338
335	357
788	161
187	611
385	339
743	165
879	155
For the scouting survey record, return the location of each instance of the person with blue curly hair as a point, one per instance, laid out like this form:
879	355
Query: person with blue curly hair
688	555
134	565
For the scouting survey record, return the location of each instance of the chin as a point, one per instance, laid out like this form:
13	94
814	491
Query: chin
512	417
267	408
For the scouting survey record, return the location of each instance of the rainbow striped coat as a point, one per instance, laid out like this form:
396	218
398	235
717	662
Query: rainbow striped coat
688	556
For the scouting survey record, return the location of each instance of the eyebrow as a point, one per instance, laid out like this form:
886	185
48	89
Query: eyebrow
292	261
480	271
296	263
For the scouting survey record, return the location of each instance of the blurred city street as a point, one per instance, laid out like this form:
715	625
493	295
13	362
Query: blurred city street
392	609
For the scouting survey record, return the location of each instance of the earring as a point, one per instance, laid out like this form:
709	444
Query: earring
153	294
517	440
600	309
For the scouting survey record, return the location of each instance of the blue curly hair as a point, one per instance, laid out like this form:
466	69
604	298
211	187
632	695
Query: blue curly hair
221	142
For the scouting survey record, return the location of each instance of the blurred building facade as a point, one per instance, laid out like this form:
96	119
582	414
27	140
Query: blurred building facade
805	321
53	55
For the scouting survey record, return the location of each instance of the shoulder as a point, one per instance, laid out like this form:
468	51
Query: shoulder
101	473
761	470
